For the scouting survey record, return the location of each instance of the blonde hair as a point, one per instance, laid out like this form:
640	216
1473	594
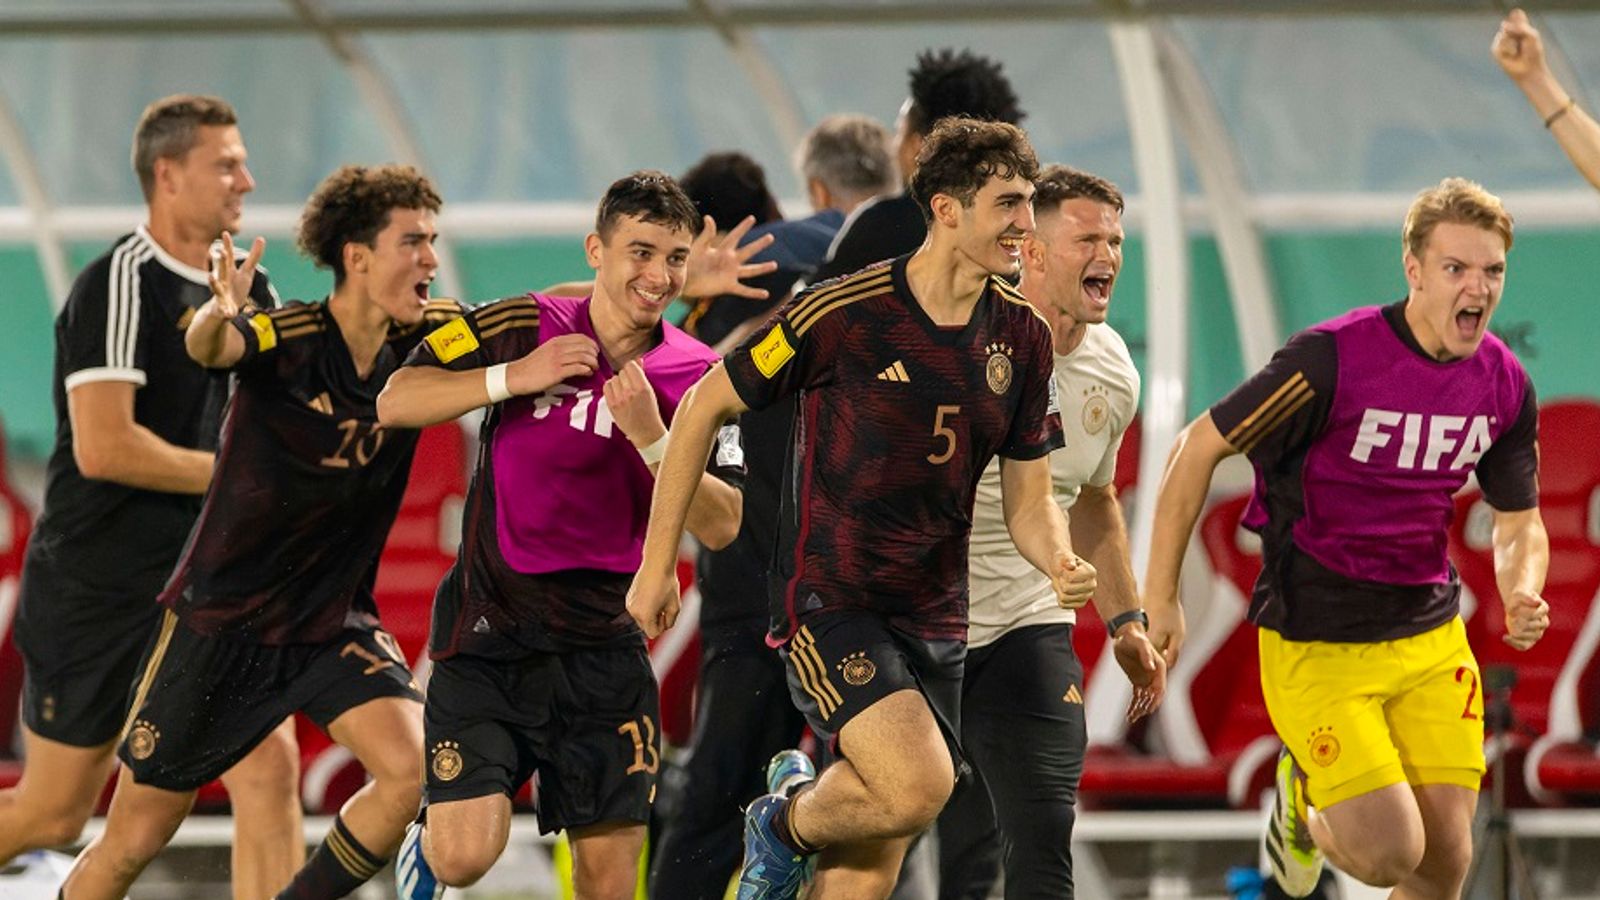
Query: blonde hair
1455	200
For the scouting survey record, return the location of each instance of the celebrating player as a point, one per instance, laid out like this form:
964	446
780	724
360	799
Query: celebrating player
536	665
270	610
1360	430
915	374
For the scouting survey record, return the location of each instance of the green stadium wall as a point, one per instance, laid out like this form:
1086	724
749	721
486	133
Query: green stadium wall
1546	314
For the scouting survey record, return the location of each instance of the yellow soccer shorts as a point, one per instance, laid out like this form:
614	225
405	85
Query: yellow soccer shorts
1362	716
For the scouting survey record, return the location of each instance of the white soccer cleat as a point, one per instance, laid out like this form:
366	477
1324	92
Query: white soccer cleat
1293	856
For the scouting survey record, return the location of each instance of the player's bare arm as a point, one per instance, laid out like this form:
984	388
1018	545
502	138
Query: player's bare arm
1521	559
653	597
209	340
1194	458
109	445
417	396
1039	529
1101	535
1519	49
714	514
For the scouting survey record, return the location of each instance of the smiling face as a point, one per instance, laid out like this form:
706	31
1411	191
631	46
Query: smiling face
400	265
639	268
1076	255
206	186
990	230
1455	286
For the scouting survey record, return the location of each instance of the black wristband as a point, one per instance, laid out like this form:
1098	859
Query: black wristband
1121	619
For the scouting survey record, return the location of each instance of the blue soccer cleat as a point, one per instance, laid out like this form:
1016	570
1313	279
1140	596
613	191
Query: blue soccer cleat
771	870
787	770
413	880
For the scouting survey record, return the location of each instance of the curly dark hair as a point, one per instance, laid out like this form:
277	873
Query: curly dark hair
961	154
729	186
353	204
1057	184
959	83
650	195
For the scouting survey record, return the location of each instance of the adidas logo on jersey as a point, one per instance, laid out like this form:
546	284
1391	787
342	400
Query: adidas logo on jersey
481	626
896	372
1073	695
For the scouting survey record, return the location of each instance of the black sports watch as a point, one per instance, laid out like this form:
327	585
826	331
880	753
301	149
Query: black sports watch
1121	619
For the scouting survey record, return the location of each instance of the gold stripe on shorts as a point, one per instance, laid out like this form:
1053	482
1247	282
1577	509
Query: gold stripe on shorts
169	621
813	673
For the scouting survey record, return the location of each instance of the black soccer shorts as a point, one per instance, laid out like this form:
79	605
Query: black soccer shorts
204	702
81	650
586	720
841	662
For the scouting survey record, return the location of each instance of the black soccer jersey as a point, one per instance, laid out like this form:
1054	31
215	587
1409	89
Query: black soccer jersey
896	420
124	320
306	487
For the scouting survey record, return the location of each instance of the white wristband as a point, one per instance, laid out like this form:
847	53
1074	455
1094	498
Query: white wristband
494	381
654	453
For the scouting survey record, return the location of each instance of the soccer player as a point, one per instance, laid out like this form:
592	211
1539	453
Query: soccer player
943	83
1022	716
270	610
914	374
1360	430
136	424
537	667
1519	49
742	713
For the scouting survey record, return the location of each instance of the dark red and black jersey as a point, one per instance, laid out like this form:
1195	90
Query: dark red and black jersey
306	484
895	421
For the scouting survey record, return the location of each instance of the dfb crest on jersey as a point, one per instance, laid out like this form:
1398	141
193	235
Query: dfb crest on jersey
998	368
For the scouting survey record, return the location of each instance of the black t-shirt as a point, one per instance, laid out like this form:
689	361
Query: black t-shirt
307	484
877	230
124	320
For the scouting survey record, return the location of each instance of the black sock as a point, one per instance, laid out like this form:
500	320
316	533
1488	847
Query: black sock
338	866
783	826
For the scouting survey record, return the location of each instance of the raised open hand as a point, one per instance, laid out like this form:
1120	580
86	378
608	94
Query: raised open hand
718	265
230	282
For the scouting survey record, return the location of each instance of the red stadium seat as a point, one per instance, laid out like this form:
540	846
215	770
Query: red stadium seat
16	524
1219	742
1557	695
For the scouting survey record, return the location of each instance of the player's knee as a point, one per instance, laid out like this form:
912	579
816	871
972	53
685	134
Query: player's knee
456	864
597	881
1048	828
1385	863
919	798
1446	862
397	777
268	774
60	828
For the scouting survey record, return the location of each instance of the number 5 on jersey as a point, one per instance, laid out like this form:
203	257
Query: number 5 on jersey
944	432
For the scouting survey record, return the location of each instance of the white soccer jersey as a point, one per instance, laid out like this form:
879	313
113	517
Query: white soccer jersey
1098	389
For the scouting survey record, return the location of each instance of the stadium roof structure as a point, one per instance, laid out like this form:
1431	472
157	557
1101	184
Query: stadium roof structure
1234	118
